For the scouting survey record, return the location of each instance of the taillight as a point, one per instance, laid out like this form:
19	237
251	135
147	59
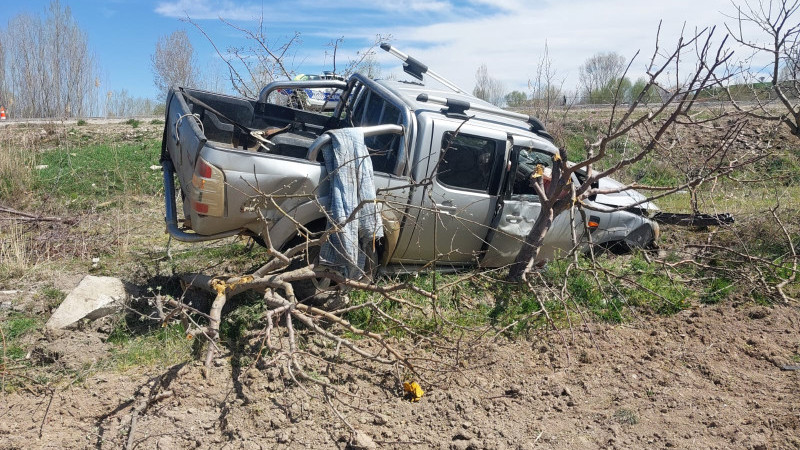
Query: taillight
203	169
209	189
201	208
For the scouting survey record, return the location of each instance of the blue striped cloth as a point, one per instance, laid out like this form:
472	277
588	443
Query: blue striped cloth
349	170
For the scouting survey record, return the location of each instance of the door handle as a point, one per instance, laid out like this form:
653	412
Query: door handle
446	206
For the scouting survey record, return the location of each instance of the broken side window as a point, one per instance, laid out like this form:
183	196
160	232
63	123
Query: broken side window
525	165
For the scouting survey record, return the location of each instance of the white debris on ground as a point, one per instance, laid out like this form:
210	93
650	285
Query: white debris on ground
93	298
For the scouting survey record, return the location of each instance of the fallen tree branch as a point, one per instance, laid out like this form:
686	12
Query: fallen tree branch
28	217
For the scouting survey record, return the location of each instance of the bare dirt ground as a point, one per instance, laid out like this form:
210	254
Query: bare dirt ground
709	377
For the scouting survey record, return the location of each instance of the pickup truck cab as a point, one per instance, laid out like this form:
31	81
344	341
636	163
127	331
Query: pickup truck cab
449	171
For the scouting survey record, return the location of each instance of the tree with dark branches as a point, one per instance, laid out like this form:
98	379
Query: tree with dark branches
657	123
778	39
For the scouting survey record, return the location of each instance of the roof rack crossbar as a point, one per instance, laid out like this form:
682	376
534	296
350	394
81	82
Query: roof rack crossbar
536	125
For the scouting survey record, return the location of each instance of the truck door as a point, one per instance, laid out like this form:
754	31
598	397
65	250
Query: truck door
457	202
520	207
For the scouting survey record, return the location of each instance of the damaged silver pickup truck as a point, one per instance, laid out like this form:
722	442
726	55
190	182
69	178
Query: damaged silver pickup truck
450	172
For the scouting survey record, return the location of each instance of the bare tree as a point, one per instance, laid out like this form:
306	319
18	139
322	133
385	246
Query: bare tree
121	104
487	87
174	62
658	125
791	71
5	94
252	67
598	75
49	71
779	40
363	61
546	88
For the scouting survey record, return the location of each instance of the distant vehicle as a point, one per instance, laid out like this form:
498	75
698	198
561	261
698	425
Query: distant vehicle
320	99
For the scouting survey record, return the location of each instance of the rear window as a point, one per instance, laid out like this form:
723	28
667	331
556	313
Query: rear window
372	109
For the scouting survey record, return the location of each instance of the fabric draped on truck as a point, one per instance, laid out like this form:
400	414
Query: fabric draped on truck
353	214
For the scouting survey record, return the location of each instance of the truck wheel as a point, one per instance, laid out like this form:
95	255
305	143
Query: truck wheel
317	292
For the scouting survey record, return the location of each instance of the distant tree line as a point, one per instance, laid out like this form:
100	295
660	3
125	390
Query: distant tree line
602	80
47	70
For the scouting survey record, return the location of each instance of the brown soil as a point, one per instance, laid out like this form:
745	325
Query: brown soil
709	377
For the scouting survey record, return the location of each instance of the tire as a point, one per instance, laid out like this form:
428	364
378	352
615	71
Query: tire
317	292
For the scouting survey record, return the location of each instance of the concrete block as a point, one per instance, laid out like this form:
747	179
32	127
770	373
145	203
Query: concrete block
93	298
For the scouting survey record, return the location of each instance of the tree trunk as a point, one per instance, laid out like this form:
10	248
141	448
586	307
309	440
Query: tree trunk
533	242
555	202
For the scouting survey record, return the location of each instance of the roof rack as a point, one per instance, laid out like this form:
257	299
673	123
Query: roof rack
416	68
459	107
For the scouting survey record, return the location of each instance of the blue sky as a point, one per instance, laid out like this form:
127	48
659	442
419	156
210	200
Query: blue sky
454	37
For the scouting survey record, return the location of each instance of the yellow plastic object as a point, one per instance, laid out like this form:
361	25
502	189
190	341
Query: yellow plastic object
414	391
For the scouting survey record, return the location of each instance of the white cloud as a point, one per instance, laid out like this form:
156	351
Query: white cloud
454	37
205	9
416	5
511	41
371	5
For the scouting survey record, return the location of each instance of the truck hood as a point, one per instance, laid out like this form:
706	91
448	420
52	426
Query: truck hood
629	197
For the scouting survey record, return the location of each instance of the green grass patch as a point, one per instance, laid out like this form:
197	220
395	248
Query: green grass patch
515	308
133	123
718	290
17	325
246	316
164	346
81	122
14	328
576	149
652	289
101	173
236	256
16	170
651	173
51	295
635	286
462	303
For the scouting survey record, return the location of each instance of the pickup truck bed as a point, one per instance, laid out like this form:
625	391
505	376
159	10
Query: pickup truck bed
207	130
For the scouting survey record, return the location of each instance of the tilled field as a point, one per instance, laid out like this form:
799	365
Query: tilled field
711	377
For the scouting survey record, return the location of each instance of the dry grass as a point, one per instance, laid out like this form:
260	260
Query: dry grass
15	251
17	160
